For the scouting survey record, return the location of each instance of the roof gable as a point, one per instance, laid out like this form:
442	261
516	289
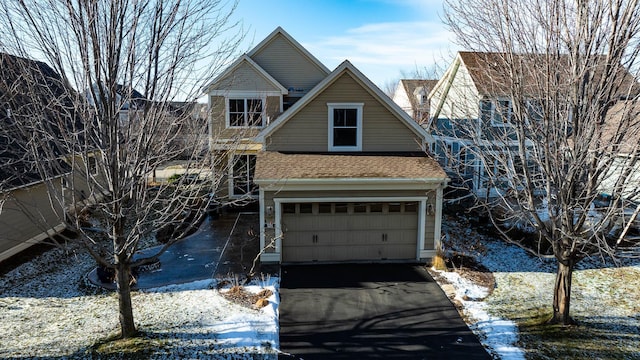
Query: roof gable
289	63
255	78
347	68
280	33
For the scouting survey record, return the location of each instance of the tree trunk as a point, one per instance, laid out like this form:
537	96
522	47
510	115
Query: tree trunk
127	325
562	294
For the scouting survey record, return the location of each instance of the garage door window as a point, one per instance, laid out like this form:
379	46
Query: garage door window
359	208
306	208
395	207
341	208
289	208
324	208
410	207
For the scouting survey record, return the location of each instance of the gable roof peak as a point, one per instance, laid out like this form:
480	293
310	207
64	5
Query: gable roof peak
279	31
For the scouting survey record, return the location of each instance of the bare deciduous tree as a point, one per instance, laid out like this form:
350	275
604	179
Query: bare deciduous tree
557	125
109	138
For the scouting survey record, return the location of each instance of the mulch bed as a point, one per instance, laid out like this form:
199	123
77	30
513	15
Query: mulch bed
241	296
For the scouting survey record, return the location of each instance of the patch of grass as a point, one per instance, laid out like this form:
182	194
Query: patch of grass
587	340
140	347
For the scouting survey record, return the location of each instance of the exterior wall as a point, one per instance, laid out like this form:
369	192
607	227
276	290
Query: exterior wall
308	129
246	78
462	97
18	214
289	66
400	97
268	209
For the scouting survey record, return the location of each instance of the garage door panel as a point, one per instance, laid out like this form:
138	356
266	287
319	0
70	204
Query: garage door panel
372	235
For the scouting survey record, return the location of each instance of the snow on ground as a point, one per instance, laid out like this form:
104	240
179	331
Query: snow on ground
48	310
603	296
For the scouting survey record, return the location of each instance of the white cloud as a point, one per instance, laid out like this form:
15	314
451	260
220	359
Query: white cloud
383	50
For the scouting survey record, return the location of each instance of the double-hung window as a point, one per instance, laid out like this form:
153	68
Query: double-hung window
245	112
345	126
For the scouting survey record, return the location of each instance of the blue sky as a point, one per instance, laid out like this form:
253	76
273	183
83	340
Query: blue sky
383	38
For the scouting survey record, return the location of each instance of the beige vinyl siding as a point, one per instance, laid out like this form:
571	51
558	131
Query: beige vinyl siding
218	118
308	129
246	78
25	214
291	68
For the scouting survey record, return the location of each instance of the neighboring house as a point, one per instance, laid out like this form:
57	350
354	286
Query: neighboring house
343	173
475	92
131	101
412	95
248	96
26	214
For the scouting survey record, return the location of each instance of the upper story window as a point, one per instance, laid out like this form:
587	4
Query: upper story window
497	111
245	112
345	126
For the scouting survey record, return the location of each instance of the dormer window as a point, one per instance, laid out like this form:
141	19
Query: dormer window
345	126
245	112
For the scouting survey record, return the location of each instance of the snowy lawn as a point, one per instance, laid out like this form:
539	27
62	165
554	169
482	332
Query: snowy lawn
510	318
48	310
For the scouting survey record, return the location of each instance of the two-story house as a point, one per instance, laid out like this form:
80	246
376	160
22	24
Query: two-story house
248	96
342	172
472	107
470	104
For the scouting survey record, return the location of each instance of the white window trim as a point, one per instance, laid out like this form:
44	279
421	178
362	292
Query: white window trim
245	97
357	106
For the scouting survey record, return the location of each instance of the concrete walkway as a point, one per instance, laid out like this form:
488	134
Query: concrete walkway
209	252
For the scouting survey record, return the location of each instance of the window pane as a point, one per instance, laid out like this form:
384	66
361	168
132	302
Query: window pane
341	208
339	117
375	207
351	117
289	208
236	112
345	137
410	207
359	208
394	207
324	208
254	112
306	208
242	172
236	105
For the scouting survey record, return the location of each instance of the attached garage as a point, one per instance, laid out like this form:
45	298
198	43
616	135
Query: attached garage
335	208
349	231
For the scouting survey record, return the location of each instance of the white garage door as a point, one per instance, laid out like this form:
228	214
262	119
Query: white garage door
349	231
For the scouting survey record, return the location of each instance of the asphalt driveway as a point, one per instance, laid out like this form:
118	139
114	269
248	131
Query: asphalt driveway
390	311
